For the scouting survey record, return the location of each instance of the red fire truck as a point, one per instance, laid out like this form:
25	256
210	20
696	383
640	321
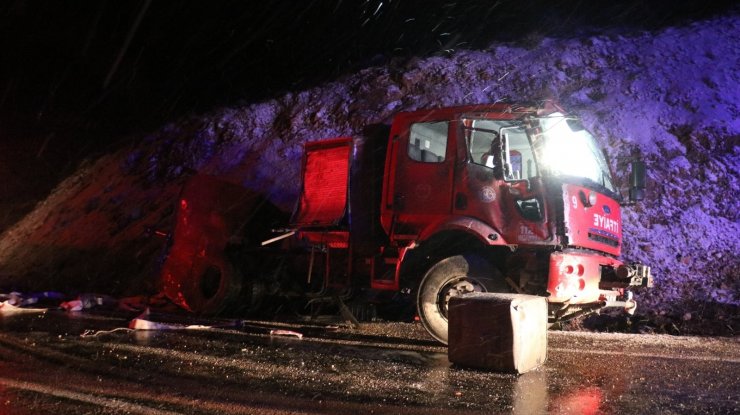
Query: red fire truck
491	198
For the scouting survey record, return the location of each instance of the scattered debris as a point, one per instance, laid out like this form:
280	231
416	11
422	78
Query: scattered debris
142	324
25	299
6	308
145	321
136	303
94	333
88	301
286	333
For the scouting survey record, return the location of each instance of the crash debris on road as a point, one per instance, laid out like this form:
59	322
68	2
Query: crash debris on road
500	332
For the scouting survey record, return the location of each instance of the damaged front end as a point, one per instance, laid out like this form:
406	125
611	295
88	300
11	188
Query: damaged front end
617	282
583	282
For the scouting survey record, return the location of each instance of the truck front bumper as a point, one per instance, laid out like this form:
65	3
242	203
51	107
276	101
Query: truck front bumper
583	277
574	276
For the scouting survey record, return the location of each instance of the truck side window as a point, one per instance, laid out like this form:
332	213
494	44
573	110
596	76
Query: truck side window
486	141
428	141
521	157
480	147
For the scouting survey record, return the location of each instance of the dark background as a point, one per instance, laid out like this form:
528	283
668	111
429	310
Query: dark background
79	78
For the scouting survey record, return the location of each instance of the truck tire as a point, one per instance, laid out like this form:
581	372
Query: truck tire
217	286
451	277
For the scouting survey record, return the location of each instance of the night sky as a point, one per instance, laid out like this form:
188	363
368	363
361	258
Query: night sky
77	78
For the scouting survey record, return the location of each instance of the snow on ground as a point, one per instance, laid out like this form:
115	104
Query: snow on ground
672	96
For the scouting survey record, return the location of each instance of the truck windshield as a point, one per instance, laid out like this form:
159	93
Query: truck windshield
565	148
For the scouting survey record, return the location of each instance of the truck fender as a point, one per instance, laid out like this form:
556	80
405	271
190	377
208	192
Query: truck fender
482	231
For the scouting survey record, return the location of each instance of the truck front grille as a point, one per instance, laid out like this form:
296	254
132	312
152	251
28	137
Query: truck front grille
603	239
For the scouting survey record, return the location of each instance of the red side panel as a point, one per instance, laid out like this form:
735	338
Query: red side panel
323	198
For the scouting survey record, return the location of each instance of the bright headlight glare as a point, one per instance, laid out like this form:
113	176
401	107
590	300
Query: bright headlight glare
567	152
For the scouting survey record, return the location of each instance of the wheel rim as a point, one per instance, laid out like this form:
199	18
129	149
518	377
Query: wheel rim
456	287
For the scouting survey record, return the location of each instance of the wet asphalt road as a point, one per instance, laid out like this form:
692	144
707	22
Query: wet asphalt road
58	363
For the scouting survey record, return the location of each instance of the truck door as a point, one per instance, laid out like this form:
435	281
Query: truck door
422	183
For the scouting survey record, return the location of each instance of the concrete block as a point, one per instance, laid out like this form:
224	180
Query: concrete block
501	332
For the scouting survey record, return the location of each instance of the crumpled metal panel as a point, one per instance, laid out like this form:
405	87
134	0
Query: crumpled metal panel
210	213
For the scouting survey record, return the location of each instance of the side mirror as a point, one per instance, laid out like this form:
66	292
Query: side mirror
637	181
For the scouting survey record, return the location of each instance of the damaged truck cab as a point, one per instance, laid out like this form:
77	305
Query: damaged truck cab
495	198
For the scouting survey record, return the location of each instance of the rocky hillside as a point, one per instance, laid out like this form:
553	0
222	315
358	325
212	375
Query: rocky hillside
673	96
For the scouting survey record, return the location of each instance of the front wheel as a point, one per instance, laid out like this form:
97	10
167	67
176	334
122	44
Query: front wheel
451	277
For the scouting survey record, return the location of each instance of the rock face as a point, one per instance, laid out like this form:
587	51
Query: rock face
673	96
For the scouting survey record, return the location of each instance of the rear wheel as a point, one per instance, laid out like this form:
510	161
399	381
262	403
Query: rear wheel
216	286
452	277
